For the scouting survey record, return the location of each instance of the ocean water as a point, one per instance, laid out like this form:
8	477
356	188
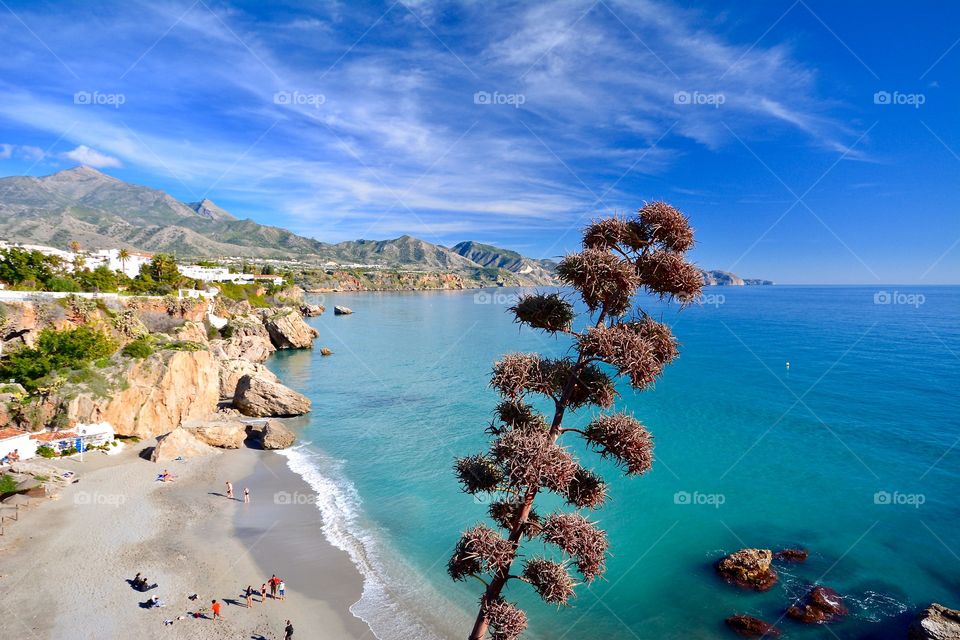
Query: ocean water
852	452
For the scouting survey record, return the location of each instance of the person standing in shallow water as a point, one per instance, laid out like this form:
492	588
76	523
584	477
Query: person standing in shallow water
229	489
246	495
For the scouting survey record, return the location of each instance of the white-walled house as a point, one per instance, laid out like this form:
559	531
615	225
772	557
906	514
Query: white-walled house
17	440
111	258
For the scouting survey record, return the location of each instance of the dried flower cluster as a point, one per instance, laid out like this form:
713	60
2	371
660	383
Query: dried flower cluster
620	258
580	539
531	459
480	550
507	621
549	312
624	439
550	579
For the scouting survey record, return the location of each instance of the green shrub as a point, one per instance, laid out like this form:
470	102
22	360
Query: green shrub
183	345
102	363
8	484
69	451
68	349
139	348
45	451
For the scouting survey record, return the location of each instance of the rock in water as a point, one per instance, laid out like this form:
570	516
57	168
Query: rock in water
823	605
749	569
288	330
177	443
262	398
750	627
936	622
342	311
311	310
791	555
326	352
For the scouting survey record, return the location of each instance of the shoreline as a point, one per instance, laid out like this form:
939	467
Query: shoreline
66	563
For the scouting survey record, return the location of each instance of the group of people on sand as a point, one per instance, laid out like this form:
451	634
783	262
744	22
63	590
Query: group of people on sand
10	458
278	590
246	493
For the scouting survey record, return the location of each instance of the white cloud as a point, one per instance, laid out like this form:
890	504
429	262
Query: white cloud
6	151
91	157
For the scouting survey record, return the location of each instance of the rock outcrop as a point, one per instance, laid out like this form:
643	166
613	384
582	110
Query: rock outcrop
272	435
342	311
180	443
157	394
936	622
233	369
192	332
251	347
750	627
219	432
263	398
748	569
823	604
288	330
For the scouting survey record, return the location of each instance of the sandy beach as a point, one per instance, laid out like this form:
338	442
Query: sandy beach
65	565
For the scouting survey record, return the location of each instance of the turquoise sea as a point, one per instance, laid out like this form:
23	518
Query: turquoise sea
852	452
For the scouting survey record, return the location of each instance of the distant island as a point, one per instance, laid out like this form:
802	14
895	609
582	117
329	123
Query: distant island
85	207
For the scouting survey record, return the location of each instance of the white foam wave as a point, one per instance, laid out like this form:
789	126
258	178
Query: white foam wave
339	504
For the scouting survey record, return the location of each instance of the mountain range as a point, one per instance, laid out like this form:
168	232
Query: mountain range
98	211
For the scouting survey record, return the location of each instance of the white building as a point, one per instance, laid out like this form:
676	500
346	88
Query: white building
16	440
111	258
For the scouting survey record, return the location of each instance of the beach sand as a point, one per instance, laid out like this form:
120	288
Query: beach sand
64	565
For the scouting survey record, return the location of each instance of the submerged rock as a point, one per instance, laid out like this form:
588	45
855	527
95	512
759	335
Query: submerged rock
262	398
791	555
324	351
180	442
750	627
823	605
748	569
936	622
342	311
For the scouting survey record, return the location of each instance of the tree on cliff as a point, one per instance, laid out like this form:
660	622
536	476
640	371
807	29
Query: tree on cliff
620	257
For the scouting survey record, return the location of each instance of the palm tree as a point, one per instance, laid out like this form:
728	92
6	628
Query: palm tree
124	255
74	246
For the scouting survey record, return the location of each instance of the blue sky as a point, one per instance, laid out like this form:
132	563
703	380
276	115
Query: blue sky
808	141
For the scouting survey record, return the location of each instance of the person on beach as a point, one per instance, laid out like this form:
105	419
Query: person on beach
229	489
282	589
249	596
215	606
263	592
273	582
288	632
246	495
